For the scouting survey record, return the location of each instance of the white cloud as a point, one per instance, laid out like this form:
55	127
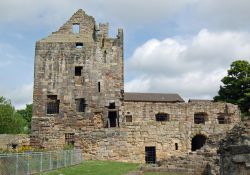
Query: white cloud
192	67
19	96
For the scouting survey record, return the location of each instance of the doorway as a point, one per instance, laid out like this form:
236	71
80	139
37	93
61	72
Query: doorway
150	154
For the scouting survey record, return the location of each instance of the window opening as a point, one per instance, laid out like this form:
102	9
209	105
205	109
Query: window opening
112	116
78	70
199	118
80	105
52	104
103	42
99	86
105	56
162	117
198	141
79	45
111	105
221	120
128	118
176	146
70	138
150	154
76	28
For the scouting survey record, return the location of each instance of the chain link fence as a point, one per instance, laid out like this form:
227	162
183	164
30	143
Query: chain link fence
36	162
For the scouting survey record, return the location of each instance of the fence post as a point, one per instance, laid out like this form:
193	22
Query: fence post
17	163
71	157
50	161
65	158
57	159
41	162
28	162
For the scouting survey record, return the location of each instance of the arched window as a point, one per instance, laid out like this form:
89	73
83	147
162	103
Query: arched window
198	141
200	118
162	117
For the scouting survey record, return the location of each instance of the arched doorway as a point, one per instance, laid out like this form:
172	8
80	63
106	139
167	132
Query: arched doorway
198	141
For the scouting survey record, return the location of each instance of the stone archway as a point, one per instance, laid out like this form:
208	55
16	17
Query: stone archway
198	141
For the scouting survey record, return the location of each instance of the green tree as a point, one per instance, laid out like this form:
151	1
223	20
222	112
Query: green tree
236	88
10	121
26	114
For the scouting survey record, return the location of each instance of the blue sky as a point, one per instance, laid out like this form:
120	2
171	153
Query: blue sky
171	46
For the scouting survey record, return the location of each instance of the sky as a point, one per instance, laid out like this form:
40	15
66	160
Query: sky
171	46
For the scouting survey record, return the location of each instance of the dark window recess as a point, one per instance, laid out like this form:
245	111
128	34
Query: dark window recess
105	56
78	70
111	105
112	119
162	117
70	138
150	154
79	45
221	120
176	146
103	41
198	141
112	116
200	118
80	105
99	86
76	28
128	118
52	104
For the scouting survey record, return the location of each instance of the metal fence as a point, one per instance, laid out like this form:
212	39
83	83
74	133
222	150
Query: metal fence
36	162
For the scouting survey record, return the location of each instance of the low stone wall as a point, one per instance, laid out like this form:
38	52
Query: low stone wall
7	140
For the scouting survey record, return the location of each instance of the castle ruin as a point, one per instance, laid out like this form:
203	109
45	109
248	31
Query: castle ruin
79	99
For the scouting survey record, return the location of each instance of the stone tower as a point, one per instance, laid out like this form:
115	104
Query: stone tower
78	80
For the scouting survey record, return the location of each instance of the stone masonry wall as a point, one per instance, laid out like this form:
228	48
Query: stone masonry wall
100	82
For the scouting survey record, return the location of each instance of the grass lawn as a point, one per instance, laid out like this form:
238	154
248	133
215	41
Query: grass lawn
164	174
96	168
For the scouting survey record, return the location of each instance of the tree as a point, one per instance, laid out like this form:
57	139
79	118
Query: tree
26	114
10	121
236	88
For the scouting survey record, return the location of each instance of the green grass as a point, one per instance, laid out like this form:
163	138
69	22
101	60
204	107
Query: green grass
163	173
96	168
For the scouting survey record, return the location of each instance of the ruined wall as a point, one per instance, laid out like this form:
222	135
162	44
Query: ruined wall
234	151
99	81
7	140
86	67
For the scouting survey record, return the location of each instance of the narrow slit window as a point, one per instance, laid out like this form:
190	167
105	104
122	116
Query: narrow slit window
52	104
76	28
79	45
176	146
99	86
80	105
78	70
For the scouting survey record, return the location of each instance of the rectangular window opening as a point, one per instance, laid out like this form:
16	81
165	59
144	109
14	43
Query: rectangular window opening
76	28
150	154
80	105
176	146
52	104
78	70
128	118
221	120
99	86
79	45
70	139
